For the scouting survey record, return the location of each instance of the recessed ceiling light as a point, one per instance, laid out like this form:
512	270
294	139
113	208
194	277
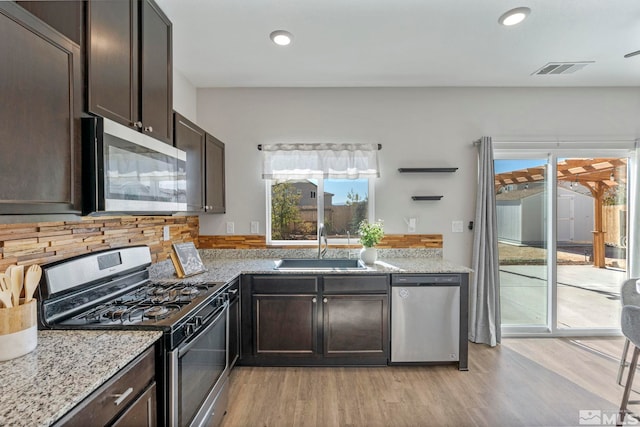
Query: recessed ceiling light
514	16
281	37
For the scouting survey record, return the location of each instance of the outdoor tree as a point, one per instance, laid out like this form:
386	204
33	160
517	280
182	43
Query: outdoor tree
284	209
358	209
616	195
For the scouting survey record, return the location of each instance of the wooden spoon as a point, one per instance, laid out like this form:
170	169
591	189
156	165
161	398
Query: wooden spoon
31	281
17	280
5	282
5	298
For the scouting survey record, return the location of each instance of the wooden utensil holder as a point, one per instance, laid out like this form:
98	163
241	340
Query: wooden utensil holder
18	330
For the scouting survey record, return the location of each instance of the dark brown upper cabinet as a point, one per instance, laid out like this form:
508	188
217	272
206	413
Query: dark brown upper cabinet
205	166
40	82
129	65
215	200
190	138
66	16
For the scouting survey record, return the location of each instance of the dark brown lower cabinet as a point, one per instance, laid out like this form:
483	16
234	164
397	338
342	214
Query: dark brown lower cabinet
127	399
354	325
142	412
285	324
315	320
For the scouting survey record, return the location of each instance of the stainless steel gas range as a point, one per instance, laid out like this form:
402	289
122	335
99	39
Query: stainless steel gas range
112	290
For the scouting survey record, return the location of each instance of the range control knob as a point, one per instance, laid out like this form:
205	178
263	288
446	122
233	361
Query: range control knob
198	321
189	329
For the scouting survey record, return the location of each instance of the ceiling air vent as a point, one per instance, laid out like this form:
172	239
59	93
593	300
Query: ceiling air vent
561	67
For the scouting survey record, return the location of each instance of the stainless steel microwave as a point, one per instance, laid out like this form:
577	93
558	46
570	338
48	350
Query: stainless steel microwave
125	171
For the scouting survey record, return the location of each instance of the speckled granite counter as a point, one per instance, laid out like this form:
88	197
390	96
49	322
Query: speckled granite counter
223	267
66	366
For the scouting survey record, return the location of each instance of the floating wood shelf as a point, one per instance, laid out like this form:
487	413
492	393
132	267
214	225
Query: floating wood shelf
405	170
426	197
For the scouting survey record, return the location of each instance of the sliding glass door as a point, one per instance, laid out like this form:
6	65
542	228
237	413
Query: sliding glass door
562	233
591	226
521	204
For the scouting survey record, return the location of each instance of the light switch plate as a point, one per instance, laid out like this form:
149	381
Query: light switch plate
411	225
255	227
230	227
165	233
457	226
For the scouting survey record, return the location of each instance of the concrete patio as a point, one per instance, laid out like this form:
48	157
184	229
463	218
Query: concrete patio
588	297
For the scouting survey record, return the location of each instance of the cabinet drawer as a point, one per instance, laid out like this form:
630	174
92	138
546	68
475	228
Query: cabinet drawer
355	284
103	405
285	284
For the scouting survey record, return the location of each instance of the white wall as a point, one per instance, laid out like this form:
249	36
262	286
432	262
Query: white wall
184	96
418	127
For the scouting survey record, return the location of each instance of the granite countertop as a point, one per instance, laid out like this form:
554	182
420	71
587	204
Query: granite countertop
40	387
222	268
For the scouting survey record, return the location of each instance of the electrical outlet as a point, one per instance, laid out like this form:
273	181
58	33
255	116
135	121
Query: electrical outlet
255	227
230	227
165	233
457	226
411	225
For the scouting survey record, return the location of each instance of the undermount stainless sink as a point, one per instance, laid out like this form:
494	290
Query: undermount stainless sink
319	264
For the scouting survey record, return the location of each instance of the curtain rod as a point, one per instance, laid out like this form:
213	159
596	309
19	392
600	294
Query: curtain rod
260	147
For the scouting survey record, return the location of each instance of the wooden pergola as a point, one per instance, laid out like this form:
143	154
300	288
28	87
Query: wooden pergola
597	175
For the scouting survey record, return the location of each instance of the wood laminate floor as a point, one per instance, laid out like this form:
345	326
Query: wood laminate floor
522	382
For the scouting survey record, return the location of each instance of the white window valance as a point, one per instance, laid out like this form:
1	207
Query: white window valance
317	161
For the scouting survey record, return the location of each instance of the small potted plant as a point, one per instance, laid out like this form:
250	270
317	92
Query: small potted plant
370	235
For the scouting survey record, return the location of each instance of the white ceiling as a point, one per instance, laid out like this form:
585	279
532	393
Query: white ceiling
391	43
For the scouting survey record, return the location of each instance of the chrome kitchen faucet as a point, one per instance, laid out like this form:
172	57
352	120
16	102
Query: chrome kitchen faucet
322	232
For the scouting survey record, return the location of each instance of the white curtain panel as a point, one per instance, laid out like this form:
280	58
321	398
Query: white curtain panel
318	161
484	294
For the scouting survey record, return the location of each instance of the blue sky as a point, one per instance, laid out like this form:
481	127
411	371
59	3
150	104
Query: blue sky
513	165
341	187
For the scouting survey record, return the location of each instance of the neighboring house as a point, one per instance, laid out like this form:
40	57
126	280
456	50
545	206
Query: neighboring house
309	191
308	203
521	217
337	218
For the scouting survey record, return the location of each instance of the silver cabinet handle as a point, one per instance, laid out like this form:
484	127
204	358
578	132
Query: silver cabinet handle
121	397
314	300
325	300
137	124
148	129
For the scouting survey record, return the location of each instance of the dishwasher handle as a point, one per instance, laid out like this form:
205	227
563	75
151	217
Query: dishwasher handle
425	280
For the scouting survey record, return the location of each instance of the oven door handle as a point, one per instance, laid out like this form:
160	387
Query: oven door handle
187	345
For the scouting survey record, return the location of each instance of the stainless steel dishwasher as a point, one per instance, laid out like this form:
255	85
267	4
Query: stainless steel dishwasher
425	318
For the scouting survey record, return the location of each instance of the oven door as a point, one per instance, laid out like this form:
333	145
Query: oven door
198	374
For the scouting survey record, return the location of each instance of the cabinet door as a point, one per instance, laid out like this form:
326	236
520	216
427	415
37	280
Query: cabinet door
142	412
285	325
190	138
156	75
39	116
215	199
355	325
112	60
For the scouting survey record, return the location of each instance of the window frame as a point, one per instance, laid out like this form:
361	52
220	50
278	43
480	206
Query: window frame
320	214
